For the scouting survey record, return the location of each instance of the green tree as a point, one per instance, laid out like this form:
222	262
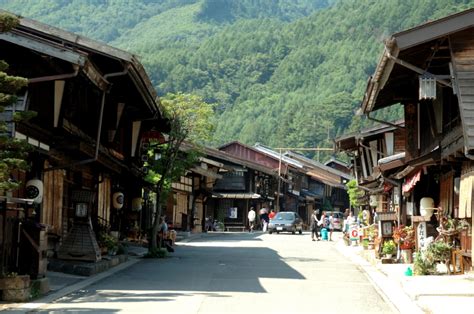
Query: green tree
13	152
190	126
354	193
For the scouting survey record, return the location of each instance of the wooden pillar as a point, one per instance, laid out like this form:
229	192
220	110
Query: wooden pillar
411	129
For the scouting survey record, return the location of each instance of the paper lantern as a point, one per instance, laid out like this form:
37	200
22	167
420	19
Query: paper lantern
117	200
426	207
34	190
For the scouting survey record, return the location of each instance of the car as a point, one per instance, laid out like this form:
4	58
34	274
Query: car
338	219
286	221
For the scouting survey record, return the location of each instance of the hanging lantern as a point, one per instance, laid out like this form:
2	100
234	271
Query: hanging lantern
426	207
427	87
34	190
117	200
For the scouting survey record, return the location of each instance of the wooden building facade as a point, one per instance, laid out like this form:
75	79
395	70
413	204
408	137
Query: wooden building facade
93	103
428	70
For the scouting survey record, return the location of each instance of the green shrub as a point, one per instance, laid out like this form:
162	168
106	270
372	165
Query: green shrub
424	264
389	247
440	250
157	253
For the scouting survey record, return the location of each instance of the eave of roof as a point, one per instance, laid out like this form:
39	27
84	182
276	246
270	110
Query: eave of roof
211	152
317	165
405	40
55	36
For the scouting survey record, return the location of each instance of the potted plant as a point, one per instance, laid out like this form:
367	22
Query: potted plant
372	232
389	248
423	264
405	237
108	242
441	252
365	243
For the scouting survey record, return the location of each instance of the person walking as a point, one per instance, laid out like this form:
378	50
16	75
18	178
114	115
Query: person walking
272	214
251	216
314	226
264	218
323	221
331	225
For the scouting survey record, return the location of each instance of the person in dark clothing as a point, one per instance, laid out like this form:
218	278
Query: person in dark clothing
314	226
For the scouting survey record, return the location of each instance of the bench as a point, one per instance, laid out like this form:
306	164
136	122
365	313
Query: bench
461	258
238	228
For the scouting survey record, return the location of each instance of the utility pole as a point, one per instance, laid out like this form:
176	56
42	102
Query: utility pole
278	189
318	149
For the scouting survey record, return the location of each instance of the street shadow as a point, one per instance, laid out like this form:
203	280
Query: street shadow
214	267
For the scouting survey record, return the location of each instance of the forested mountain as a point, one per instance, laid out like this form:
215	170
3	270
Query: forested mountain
280	72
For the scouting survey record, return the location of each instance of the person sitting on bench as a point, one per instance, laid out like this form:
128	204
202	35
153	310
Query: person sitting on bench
164	235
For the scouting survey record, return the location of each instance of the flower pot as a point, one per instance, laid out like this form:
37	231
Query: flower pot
388	255
407	256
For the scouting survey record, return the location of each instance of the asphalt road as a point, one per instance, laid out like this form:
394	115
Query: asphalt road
234	273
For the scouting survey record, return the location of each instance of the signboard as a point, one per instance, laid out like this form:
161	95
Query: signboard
354	234
421	235
232	212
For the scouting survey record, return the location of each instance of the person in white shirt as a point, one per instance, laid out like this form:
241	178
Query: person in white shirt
251	216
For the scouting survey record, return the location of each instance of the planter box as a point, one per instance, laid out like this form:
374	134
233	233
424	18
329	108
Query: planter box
15	288
17	282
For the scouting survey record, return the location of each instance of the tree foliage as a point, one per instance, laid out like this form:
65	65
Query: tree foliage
190	124
354	193
283	73
13	152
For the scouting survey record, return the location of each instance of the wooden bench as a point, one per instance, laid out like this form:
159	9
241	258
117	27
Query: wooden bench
240	228
461	258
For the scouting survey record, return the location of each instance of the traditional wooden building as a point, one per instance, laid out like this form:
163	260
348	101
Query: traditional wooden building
93	103
243	184
429	71
376	152
289	185
324	184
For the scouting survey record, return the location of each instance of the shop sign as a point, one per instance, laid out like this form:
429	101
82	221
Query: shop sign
354	234
421	235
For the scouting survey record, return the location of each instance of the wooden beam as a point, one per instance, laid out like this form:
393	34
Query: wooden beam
50	50
95	76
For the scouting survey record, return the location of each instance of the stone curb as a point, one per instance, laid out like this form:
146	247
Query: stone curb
43	301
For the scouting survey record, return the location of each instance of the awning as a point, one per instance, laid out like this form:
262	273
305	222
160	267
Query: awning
310	196
326	178
238	195
411	182
392	161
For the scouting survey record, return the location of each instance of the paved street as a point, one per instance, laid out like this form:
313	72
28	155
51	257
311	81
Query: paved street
235	273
